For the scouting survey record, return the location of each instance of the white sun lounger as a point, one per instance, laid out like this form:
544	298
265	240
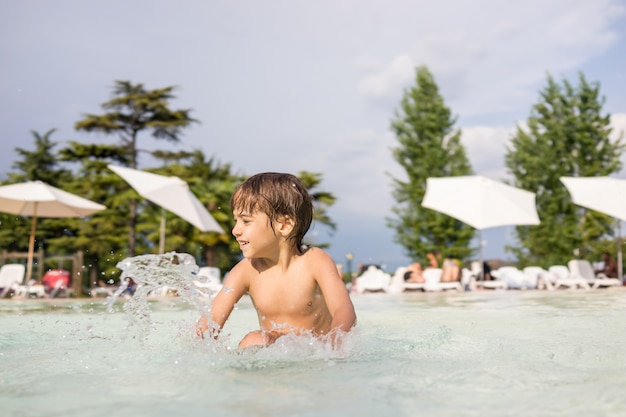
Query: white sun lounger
582	269
432	276
540	277
373	280
516	278
11	278
562	278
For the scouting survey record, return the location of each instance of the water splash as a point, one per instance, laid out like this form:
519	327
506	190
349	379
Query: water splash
176	271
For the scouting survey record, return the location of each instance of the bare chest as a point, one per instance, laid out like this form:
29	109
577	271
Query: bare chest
292	295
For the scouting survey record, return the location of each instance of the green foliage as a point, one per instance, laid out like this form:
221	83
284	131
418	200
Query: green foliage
213	184
429	146
132	110
130	222
41	164
321	201
567	135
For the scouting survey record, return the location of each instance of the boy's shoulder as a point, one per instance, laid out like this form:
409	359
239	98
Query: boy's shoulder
315	254
243	268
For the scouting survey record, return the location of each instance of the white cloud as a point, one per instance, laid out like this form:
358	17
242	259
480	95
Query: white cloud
618	123
355	169
485	146
495	64
390	80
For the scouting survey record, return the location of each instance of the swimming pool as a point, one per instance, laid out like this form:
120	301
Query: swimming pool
483	353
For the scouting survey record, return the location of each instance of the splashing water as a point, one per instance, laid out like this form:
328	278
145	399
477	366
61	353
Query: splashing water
151	272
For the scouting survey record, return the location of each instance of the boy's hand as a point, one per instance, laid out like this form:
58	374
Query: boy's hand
201	327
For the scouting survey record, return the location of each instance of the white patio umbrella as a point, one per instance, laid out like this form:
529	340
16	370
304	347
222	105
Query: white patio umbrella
38	199
604	194
172	194
480	202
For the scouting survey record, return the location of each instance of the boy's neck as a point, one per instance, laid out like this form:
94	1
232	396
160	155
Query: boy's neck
282	258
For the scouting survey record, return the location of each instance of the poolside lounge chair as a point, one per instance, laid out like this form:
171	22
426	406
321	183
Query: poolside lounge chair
513	277
373	280
11	278
562	278
398	284
583	270
492	284
539	276
477	282
32	289
432	276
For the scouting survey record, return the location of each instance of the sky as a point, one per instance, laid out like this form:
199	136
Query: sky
288	86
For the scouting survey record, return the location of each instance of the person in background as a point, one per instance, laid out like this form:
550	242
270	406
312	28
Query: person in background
414	271
610	266
486	272
451	271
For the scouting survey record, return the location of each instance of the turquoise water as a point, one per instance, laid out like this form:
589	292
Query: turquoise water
485	353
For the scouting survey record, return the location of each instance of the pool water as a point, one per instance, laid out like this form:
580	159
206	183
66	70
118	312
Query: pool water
483	353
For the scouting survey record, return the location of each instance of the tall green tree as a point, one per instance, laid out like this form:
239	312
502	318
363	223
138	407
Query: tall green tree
567	135
134	110
429	146
40	164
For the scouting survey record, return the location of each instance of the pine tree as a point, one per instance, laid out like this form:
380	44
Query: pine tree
567	135
40	164
429	146
133	110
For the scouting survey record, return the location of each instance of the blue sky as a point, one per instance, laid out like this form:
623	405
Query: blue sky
308	85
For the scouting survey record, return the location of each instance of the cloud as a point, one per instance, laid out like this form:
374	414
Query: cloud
494	64
486	146
390	80
618	123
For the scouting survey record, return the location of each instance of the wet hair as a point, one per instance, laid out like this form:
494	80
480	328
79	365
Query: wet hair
277	195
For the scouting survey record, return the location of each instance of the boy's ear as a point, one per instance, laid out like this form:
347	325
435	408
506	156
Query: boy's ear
285	225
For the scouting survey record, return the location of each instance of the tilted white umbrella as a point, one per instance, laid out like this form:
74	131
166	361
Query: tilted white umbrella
480	202
38	199
604	194
172	194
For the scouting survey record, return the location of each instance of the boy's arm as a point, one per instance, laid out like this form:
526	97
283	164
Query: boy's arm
234	287
335	292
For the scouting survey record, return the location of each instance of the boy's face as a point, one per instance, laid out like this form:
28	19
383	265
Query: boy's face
254	234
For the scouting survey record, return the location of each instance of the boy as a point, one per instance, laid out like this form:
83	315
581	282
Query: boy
293	289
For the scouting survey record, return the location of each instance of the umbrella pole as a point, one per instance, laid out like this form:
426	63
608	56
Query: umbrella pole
620	258
31	244
162	234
